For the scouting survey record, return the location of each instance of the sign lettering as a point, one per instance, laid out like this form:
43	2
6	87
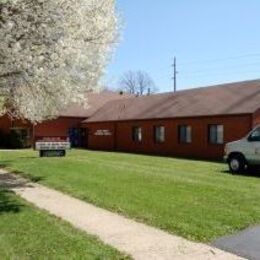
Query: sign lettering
103	132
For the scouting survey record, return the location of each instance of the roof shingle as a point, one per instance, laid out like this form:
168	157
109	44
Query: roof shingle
95	102
227	99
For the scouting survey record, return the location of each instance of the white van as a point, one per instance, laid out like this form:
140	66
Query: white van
243	153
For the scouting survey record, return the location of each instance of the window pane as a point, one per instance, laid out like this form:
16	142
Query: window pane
162	134
188	135
255	136
212	137
182	134
159	134
185	134
137	134
216	134
220	134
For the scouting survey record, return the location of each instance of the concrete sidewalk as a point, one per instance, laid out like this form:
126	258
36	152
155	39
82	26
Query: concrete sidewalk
135	239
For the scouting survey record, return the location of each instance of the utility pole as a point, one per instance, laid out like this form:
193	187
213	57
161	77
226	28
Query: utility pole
174	75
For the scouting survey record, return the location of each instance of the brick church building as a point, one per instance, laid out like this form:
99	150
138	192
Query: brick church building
193	123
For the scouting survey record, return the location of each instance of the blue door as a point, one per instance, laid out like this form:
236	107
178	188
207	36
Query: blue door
78	137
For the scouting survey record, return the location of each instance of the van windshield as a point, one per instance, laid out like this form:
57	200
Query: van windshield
255	136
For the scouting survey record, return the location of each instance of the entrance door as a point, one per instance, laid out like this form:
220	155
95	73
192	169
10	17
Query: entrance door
78	137
83	137
73	135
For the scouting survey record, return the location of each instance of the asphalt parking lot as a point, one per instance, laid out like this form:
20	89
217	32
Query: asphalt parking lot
245	243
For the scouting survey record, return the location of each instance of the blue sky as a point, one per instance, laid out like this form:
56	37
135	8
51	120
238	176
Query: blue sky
214	41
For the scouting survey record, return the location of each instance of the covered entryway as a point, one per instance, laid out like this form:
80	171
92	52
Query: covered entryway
78	137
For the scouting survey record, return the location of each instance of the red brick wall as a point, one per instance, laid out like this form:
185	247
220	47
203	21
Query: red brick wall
57	127
235	127
256	118
6	123
105	142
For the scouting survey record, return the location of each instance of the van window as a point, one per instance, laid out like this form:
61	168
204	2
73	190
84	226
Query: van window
255	136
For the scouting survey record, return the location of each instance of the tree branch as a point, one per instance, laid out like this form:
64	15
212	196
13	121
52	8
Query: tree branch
10	74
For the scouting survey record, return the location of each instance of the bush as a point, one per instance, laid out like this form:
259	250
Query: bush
2	139
13	140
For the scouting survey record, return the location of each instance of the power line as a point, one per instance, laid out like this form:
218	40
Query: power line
239	63
222	59
214	70
216	73
221	68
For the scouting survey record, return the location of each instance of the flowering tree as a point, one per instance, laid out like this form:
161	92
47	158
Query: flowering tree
52	52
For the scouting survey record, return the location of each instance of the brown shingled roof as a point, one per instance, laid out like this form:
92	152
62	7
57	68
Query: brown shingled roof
233	98
95	102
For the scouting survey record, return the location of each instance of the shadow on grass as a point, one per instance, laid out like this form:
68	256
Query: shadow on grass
7	164
162	155
27	157
29	176
34	179
7	204
250	172
10	181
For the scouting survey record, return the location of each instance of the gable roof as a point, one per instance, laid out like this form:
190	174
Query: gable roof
95	102
227	99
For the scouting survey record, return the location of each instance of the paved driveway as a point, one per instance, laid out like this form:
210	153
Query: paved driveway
245	243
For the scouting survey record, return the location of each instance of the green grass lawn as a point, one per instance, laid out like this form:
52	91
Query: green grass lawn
197	200
28	233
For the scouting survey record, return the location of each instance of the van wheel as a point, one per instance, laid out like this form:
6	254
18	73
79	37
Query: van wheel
237	163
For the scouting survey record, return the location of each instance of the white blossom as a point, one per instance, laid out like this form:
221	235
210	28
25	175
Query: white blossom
52	52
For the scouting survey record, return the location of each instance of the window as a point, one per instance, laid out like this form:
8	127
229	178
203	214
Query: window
216	134
185	134
159	134
255	136
137	134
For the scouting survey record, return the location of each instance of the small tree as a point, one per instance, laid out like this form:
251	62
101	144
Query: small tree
52	52
138	82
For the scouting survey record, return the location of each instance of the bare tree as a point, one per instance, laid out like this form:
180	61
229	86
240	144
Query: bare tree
137	82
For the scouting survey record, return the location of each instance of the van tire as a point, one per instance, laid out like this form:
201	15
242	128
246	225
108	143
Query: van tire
237	163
